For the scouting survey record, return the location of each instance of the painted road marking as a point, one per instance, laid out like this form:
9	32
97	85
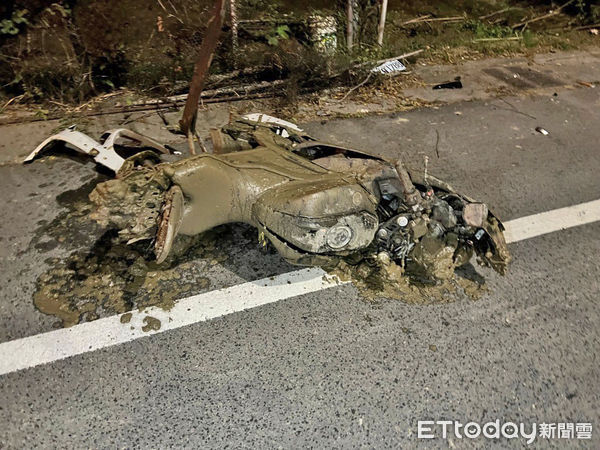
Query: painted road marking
547	222
86	337
60	344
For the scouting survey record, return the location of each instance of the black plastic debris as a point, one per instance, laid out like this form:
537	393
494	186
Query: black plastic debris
456	84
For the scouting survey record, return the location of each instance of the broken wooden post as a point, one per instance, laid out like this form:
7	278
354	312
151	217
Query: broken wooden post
187	124
381	26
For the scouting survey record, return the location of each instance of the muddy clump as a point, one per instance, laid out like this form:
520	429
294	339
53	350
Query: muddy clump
151	324
130	204
111	277
114	278
445	282
126	318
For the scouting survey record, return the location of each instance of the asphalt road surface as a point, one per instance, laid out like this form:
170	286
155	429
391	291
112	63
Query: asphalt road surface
331	369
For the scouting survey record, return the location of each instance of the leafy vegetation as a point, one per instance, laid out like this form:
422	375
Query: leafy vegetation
72	49
13	25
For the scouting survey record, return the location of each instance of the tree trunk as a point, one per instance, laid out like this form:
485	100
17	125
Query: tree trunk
381	27
350	24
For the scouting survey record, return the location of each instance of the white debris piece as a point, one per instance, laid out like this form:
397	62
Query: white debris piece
390	67
265	118
104	152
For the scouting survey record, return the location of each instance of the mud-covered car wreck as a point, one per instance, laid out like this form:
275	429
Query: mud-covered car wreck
315	203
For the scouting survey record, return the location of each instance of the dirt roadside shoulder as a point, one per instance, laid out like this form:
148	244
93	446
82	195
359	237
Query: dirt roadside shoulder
544	74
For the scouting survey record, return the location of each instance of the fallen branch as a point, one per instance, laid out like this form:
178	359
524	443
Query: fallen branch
487	16
416	20
427	19
136	108
212	93
511	38
284	18
543	17
217	79
446	19
587	27
17	98
381	61
585	83
362	83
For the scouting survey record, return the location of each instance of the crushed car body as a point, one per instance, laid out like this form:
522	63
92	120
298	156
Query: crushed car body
316	203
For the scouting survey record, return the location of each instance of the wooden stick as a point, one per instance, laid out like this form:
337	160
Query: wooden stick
445	19
418	19
356	87
511	38
427	19
187	123
487	16
18	97
212	93
545	16
381	61
234	32
587	27
214	79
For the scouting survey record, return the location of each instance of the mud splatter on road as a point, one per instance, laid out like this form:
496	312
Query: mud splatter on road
115	278
126	318
110	277
151	324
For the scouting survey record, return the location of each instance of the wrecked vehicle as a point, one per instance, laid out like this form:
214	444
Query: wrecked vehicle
316	203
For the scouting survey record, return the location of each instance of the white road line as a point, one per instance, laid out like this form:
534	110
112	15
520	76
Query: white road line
550	221
86	337
60	344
